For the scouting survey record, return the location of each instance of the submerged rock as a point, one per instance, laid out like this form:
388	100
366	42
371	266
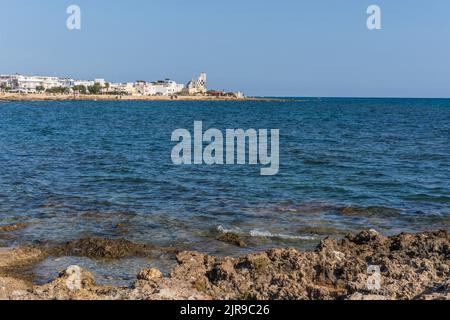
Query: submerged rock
369	211
13	227
232	238
101	248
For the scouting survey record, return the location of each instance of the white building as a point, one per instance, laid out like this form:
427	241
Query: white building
5	81
158	88
31	84
165	88
240	95
123	88
195	87
128	88
100	81
140	88
86	83
50	82
67	82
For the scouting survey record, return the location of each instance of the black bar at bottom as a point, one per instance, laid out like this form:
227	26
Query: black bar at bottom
218	309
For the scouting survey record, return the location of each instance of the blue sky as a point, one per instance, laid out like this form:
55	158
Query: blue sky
276	48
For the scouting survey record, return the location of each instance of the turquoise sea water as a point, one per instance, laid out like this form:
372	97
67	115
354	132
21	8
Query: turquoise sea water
76	169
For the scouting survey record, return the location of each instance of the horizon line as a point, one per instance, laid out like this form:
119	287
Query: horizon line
346	97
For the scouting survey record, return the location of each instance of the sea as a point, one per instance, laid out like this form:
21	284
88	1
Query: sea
77	169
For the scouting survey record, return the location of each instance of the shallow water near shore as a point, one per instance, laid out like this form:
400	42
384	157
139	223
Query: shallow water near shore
79	169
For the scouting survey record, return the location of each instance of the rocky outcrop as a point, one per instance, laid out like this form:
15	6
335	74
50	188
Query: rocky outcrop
364	266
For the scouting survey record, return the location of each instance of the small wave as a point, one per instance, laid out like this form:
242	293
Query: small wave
264	234
225	230
267	234
308	208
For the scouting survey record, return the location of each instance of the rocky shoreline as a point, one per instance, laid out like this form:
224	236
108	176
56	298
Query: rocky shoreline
412	266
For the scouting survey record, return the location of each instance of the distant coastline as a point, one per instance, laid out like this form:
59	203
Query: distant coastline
23	87
108	97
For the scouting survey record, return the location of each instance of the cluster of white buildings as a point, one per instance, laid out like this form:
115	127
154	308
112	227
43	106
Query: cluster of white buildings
28	84
34	84
158	88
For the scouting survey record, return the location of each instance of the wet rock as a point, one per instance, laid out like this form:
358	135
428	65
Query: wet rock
19	262
101	248
13	227
232	238
364	237
221	271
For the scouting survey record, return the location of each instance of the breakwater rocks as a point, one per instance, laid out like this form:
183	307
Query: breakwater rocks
406	266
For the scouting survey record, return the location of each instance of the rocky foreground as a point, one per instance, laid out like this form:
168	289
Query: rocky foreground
412	266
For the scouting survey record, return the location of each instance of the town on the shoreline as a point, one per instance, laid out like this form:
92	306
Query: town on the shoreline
23	84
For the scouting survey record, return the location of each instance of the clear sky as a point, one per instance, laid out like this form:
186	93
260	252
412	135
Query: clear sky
272	48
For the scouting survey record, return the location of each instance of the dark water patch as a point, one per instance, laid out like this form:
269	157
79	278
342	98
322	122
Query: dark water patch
317	162
428	198
54	205
124	180
323	230
378	212
47	131
6	239
101	215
